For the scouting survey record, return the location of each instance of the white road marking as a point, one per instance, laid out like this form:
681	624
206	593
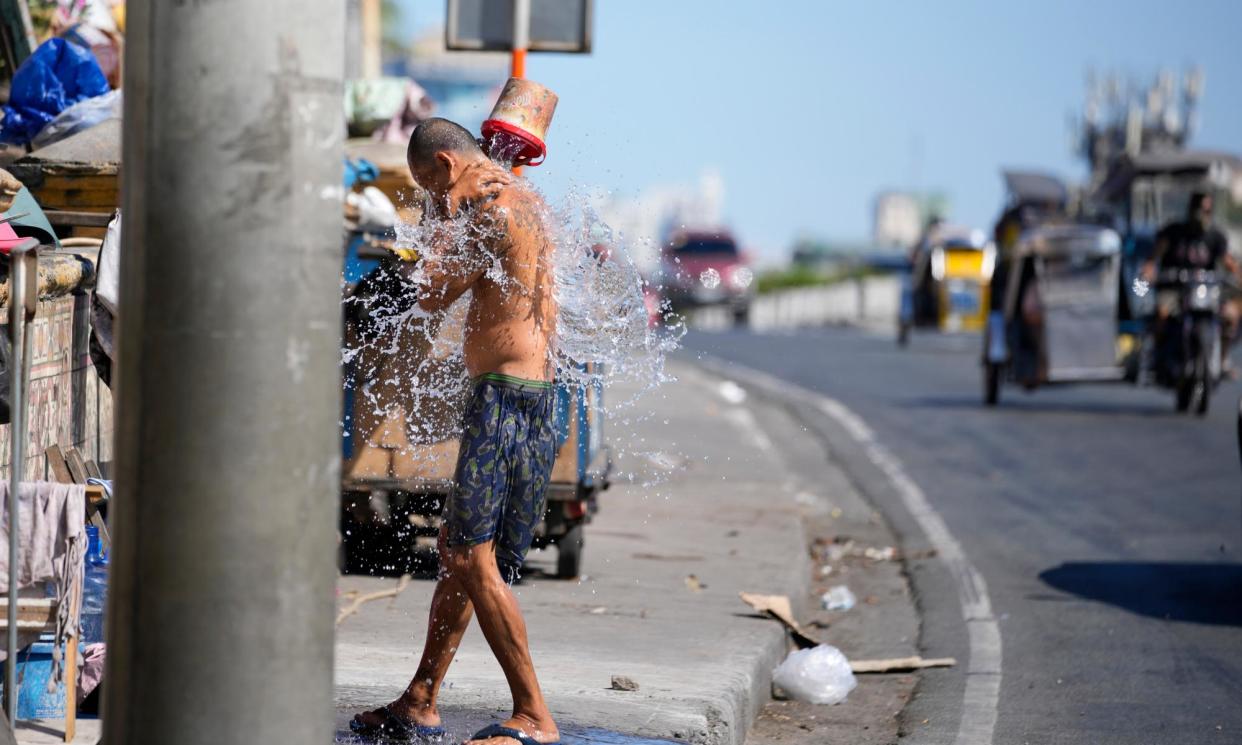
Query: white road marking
983	673
749	426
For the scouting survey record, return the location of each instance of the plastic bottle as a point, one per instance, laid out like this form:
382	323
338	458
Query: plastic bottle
95	588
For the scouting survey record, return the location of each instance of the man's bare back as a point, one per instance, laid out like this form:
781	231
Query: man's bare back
513	312
508	269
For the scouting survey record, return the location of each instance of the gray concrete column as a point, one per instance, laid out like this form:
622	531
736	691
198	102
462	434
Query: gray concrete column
220	618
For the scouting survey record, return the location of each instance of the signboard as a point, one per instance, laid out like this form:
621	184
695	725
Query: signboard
487	25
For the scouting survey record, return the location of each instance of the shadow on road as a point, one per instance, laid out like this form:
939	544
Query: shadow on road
1197	593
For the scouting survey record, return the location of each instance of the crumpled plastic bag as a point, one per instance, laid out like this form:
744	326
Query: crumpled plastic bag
838	598
57	75
82	115
375	210
820	675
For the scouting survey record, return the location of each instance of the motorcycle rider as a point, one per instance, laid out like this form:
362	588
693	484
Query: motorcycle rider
1193	243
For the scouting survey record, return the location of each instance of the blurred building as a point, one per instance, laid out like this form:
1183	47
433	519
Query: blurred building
897	219
644	222
464	85
900	216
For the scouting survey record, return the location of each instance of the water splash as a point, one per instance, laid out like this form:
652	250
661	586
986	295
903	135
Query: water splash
406	375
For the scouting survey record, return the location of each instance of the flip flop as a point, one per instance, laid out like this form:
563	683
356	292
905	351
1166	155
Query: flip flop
499	730
395	728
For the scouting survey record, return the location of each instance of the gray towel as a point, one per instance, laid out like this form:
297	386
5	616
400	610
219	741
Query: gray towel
52	522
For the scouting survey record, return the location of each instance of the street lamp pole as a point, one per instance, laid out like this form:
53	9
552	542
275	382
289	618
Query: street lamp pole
220	617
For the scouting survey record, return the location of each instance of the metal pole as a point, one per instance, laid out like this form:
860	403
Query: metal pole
521	40
23	301
220	607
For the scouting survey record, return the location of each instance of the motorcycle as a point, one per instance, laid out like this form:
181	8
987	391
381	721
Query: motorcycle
1188	343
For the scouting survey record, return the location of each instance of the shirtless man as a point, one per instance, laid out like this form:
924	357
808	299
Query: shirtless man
508	443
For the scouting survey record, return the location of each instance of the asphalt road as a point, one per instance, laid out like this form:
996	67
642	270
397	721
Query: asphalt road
1108	529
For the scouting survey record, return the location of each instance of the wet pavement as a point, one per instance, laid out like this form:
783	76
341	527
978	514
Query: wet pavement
461	725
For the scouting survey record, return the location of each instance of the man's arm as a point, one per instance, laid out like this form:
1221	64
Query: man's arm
1226	258
444	278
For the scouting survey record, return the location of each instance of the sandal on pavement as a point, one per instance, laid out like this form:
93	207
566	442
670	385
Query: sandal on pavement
499	730
395	728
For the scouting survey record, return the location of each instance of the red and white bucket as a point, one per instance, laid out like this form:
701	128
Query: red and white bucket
518	126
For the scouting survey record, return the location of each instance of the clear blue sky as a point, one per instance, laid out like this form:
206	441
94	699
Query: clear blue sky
809	107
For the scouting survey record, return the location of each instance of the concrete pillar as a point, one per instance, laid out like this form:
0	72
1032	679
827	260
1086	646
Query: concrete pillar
220	618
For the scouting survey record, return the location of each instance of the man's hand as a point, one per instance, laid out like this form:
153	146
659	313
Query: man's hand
1148	272
477	181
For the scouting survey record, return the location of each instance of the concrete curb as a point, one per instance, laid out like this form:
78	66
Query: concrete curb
703	662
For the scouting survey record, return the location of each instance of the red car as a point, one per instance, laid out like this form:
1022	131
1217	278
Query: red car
700	269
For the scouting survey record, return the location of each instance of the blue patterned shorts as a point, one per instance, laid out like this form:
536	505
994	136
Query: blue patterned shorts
503	468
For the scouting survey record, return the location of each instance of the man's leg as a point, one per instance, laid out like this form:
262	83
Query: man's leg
501	620
450	615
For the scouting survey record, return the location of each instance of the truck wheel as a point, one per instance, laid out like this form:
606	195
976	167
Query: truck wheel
569	553
991	383
741	317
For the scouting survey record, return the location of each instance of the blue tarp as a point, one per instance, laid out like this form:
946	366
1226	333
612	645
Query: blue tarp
56	76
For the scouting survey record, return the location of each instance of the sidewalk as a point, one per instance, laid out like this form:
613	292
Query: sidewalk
659	602
741	490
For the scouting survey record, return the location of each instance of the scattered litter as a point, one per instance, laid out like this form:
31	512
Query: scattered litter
693	584
667	557
820	675
731	534
900	664
825	570
888	553
836	513
838	598
805	497
622	683
731	392
871	600
778	607
361	600
598	611
838	551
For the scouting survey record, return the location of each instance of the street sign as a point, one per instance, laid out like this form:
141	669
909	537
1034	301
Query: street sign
487	25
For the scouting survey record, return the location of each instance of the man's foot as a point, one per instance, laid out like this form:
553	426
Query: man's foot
517	731
399	720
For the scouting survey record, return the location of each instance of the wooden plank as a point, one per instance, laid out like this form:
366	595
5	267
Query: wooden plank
92	470
69	218
71	688
77	466
56	462
83	182
32	613
78	200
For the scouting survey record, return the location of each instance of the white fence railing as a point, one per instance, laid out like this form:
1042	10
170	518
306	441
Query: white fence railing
872	300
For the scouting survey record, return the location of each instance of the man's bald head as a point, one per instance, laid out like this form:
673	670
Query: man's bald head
437	148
